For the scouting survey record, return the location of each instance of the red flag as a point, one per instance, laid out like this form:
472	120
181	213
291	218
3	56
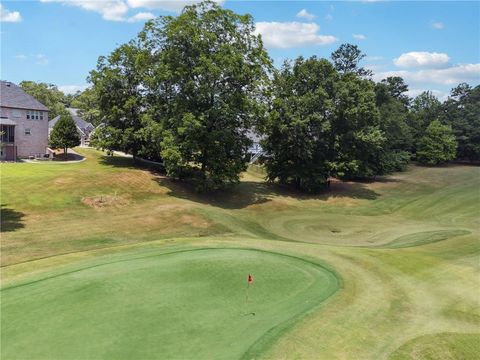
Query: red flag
250	279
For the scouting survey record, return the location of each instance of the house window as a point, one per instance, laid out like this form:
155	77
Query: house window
16	113
34	115
28	132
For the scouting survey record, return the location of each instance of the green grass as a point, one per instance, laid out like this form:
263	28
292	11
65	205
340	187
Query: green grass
450	346
378	270
145	305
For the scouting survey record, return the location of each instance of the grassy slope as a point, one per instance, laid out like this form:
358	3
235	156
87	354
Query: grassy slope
406	247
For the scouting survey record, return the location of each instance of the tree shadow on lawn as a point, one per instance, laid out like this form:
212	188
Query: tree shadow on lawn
117	161
130	163
252	193
247	192
240	196
10	220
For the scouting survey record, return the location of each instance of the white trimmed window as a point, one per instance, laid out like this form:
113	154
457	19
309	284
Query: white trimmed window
34	115
16	113
28	132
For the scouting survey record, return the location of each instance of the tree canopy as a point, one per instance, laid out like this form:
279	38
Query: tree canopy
87	104
437	145
188	91
346	59
64	134
298	141
462	112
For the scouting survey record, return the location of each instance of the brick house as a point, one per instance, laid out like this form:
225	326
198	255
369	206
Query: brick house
23	123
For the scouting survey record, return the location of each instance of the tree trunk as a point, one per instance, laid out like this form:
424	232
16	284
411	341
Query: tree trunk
65	149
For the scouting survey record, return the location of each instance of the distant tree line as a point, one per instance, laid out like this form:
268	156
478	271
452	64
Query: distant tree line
188	89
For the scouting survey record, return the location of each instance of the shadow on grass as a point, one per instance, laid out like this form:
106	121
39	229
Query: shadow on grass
117	161
244	194
10	220
251	193
247	192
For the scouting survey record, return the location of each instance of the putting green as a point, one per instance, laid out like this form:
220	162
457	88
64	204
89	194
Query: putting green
188	304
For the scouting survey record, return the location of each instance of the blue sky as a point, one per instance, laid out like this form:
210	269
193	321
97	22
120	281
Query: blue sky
433	45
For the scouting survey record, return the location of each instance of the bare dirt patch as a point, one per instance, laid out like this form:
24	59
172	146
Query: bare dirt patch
63	181
195	221
105	201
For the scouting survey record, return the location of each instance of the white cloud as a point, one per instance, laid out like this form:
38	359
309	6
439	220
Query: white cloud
9	16
422	59
305	15
38	59
291	34
72	89
141	16
114	10
117	10
41	59
469	73
168	5
359	36
438	25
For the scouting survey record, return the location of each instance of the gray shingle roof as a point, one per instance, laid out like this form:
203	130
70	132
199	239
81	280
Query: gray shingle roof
83	125
13	96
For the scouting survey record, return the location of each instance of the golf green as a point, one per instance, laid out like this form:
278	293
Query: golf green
186	304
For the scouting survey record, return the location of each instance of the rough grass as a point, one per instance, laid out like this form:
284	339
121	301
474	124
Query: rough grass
405	248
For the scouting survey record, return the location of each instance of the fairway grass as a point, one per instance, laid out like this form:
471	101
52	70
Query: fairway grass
101	259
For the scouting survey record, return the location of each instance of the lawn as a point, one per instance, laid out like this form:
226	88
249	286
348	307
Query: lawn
104	260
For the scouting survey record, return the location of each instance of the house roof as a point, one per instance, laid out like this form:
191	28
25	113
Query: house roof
81	124
13	96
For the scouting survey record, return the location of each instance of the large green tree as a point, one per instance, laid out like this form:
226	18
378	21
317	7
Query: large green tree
322	123
119	91
48	95
425	108
462	112
208	70
437	145
64	134
392	103
357	138
298	131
